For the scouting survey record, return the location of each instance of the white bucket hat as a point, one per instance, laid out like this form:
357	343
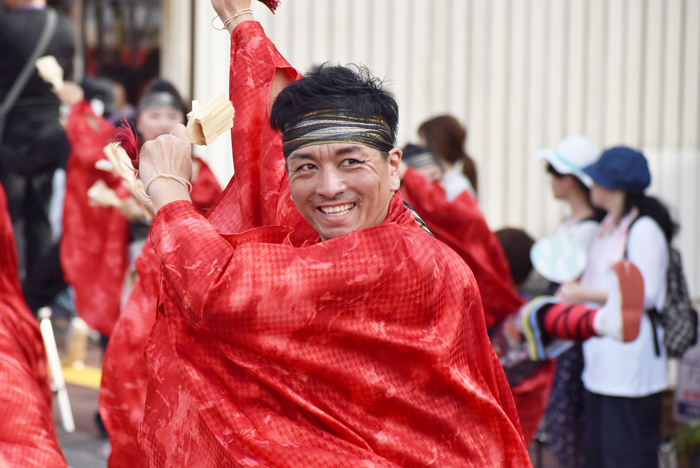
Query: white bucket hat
572	155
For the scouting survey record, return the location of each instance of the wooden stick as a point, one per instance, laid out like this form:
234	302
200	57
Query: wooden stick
55	369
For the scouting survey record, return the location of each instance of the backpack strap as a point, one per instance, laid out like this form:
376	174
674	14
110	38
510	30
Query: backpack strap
23	78
654	317
652	313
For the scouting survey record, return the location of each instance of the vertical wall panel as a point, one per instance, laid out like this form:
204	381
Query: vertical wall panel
614	76
595	82
516	157
522	74
670	171
459	26
210	65
688	209
577	26
493	163
536	193
633	64
555	117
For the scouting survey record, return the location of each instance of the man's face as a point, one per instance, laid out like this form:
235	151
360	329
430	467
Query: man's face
341	187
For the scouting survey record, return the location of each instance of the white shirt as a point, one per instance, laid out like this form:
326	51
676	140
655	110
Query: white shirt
583	232
455	182
614	368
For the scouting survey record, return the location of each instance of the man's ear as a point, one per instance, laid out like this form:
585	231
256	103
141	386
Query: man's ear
394	161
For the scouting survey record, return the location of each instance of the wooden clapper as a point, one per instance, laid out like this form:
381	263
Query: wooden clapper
205	124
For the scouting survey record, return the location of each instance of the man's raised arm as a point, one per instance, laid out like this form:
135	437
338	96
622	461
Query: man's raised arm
258	73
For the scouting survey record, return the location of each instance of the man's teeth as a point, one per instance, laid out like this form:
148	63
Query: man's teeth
337	210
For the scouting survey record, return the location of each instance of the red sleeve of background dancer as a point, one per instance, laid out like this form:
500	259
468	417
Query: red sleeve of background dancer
94	241
461	225
27	434
205	188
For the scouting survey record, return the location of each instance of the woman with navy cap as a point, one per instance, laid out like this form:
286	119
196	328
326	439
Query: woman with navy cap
624	381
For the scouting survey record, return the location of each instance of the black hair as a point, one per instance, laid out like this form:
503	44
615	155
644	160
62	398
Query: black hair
655	209
99	88
336	87
598	214
516	245
163	86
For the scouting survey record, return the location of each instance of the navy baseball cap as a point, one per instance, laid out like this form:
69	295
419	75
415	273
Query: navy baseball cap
621	168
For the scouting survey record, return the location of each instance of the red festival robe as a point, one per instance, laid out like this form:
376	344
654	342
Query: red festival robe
27	432
461	225
123	388
365	350
94	243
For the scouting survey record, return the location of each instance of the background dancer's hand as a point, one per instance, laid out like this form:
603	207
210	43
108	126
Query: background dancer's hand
227	8
70	93
166	155
574	293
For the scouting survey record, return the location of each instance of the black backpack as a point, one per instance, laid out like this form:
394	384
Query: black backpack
678	317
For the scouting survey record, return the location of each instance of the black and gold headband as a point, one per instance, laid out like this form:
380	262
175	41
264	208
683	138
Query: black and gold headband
336	126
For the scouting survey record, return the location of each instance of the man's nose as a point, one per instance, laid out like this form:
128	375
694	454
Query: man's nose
330	183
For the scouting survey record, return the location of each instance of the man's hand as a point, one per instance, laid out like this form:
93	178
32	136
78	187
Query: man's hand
227	8
171	155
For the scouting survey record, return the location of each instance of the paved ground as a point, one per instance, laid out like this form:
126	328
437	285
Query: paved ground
83	448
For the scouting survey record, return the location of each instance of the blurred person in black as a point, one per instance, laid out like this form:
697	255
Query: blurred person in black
33	141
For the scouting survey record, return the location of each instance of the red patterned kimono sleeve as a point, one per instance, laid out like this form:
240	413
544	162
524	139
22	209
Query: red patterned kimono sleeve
259	194
27	433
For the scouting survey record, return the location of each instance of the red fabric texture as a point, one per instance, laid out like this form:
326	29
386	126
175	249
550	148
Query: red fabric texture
461	225
270	354
94	243
205	188
27	433
123	389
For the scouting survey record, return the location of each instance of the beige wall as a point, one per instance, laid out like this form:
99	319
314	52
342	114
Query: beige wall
521	74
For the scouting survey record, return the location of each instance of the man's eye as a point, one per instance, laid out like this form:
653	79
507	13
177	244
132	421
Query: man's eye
305	168
351	162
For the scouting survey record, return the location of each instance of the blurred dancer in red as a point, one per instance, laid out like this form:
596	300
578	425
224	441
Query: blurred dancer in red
27	433
95	243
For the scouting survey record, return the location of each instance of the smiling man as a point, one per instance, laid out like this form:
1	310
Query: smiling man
308	320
